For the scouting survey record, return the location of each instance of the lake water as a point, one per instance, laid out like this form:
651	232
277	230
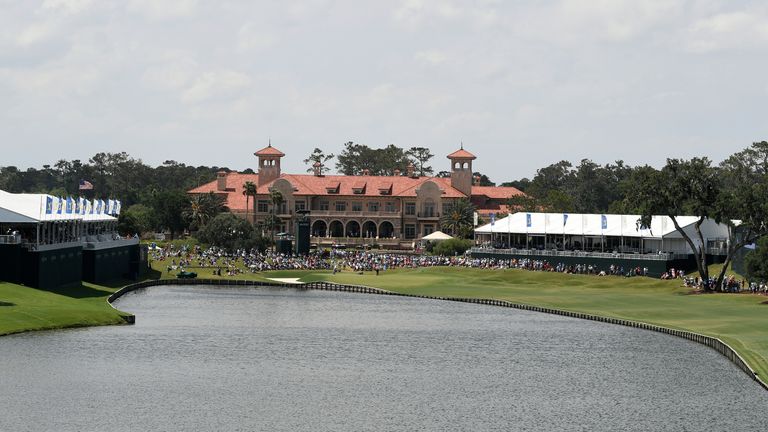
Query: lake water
212	358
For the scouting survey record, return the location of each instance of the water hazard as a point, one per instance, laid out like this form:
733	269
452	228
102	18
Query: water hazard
211	358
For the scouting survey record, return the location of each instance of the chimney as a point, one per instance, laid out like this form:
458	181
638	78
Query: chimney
477	180
397	172
411	170
221	181
318	169
366	172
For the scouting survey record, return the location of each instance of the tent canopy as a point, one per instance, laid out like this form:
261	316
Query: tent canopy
33	208
595	225
437	236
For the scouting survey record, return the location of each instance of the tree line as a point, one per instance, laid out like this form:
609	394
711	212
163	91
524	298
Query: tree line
154	198
733	192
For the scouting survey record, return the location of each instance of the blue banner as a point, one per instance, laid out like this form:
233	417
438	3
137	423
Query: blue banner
604	221
61	206
493	218
48	205
565	219
528	220
99	204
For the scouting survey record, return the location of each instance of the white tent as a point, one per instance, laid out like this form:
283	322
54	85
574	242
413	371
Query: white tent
33	208
437	236
560	227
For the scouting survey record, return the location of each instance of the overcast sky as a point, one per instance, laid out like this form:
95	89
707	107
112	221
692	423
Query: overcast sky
522	83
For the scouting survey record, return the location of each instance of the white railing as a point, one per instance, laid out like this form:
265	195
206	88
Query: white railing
664	256
10	239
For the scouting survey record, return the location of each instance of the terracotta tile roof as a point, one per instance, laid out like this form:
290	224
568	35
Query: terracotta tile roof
311	185
269	151
493	209
235	199
461	154
496	192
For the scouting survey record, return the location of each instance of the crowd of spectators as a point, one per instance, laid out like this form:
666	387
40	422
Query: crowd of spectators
241	261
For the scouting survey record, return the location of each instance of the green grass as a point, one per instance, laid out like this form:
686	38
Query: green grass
25	309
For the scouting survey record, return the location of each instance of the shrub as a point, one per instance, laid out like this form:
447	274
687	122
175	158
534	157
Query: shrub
452	247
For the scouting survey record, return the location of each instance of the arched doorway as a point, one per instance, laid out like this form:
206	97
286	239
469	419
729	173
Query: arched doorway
386	230
336	229
370	230
353	229
319	229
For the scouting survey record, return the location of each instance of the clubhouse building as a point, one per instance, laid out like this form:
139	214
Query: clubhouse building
47	242
392	211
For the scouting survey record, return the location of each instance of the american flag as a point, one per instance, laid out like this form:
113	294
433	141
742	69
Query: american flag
86	185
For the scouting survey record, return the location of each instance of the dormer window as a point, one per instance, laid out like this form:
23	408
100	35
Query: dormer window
333	188
385	189
358	188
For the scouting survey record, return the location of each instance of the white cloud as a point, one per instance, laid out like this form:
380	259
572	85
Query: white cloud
727	31
431	58
163	9
174	74
216	86
252	37
66	6
35	33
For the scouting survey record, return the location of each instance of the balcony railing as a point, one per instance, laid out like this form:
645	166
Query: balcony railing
428	215
10	239
350	213
548	254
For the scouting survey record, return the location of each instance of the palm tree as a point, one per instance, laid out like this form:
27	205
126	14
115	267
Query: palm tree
249	190
460	219
277	199
202	208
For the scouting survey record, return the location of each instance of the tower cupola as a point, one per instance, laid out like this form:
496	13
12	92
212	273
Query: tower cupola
269	164
461	170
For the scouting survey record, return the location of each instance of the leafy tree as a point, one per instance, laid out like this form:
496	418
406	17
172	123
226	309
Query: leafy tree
452	247
318	157
356	158
525	203
460	219
227	231
420	156
558	176
682	187
756	261
522	185
136	219
484	180
744	177
555	201
169	208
